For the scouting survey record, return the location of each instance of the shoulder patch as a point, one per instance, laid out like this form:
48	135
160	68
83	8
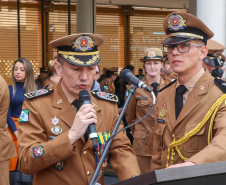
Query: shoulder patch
172	81
221	84
24	116
105	96
37	93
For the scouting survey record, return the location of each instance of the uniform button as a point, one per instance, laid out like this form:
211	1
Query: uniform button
152	128
142	103
173	135
85	152
152	116
173	153
88	173
159	130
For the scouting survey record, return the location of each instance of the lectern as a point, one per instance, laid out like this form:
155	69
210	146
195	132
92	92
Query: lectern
204	174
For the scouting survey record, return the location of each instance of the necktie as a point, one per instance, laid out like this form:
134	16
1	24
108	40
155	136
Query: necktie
76	103
155	90
179	99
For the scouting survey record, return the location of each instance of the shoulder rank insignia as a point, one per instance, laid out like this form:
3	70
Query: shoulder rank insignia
105	96
172	81
221	84
37	93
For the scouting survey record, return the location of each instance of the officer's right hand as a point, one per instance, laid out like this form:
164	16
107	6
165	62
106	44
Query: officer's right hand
83	118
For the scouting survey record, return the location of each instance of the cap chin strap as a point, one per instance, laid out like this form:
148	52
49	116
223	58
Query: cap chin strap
187	35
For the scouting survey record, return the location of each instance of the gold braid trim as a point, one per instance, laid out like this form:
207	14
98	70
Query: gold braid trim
175	143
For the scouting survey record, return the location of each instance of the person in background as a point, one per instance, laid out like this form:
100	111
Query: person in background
96	86
140	74
102	76
22	82
43	77
54	78
214	61
166	67
53	142
108	82
141	103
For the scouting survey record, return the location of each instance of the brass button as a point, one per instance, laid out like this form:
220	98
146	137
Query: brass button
173	153
85	152
142	103
159	130
152	128
173	135
88	173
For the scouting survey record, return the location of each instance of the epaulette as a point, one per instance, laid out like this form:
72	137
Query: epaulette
37	93
221	84
172	81
105	96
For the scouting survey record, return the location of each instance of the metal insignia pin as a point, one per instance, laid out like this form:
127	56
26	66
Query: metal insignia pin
201	88
56	130
59	165
55	120
59	101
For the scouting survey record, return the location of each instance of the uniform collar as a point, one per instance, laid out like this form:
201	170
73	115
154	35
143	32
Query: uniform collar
190	84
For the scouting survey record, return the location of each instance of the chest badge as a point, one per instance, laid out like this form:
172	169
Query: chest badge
56	130
163	111
55	120
59	165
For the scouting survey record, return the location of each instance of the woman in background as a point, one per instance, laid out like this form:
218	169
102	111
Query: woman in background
22	82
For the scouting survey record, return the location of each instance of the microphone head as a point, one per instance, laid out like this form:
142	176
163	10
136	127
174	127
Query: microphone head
123	74
84	96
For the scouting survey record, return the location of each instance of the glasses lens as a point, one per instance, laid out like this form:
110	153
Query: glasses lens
168	48
183	48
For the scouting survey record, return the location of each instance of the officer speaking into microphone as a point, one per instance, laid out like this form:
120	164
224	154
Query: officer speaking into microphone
53	138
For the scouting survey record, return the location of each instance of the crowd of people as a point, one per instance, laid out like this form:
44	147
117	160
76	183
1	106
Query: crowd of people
48	124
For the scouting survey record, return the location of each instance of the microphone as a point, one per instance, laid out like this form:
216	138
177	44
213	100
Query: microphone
84	98
127	75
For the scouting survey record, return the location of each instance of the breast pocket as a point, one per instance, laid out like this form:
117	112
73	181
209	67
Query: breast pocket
140	142
198	141
143	105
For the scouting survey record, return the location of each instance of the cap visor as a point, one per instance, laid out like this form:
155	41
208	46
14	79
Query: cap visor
79	60
175	40
213	62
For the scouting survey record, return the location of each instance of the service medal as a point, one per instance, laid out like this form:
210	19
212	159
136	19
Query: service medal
55	120
56	130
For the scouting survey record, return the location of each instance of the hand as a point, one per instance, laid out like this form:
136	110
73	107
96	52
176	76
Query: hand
188	163
16	133
83	118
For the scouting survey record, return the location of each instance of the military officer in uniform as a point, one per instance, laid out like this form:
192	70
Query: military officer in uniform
190	126
52	141
214	61
108	82
141	103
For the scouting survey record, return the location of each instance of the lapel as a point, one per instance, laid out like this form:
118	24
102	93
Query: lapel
99	115
66	112
194	99
170	104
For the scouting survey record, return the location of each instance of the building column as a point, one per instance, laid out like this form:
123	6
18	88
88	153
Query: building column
86	16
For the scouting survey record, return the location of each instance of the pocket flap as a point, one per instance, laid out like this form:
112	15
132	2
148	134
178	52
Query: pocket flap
140	134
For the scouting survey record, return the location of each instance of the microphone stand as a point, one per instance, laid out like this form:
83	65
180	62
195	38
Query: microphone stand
96	173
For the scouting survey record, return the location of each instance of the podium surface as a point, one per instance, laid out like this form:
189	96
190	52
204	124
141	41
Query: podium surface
206	174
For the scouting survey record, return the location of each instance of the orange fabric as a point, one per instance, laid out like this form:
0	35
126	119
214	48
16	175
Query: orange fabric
13	161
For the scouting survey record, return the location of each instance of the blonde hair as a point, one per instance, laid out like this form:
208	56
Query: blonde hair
29	83
51	68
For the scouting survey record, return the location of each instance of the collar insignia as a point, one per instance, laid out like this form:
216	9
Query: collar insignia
83	43
176	22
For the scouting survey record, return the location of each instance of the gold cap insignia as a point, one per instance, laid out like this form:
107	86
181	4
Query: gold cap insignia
176	22
151	54
83	43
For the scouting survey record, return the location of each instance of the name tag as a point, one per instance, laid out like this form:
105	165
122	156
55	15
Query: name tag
142	98
161	120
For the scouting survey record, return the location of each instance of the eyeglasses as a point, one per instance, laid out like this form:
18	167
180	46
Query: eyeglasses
182	48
